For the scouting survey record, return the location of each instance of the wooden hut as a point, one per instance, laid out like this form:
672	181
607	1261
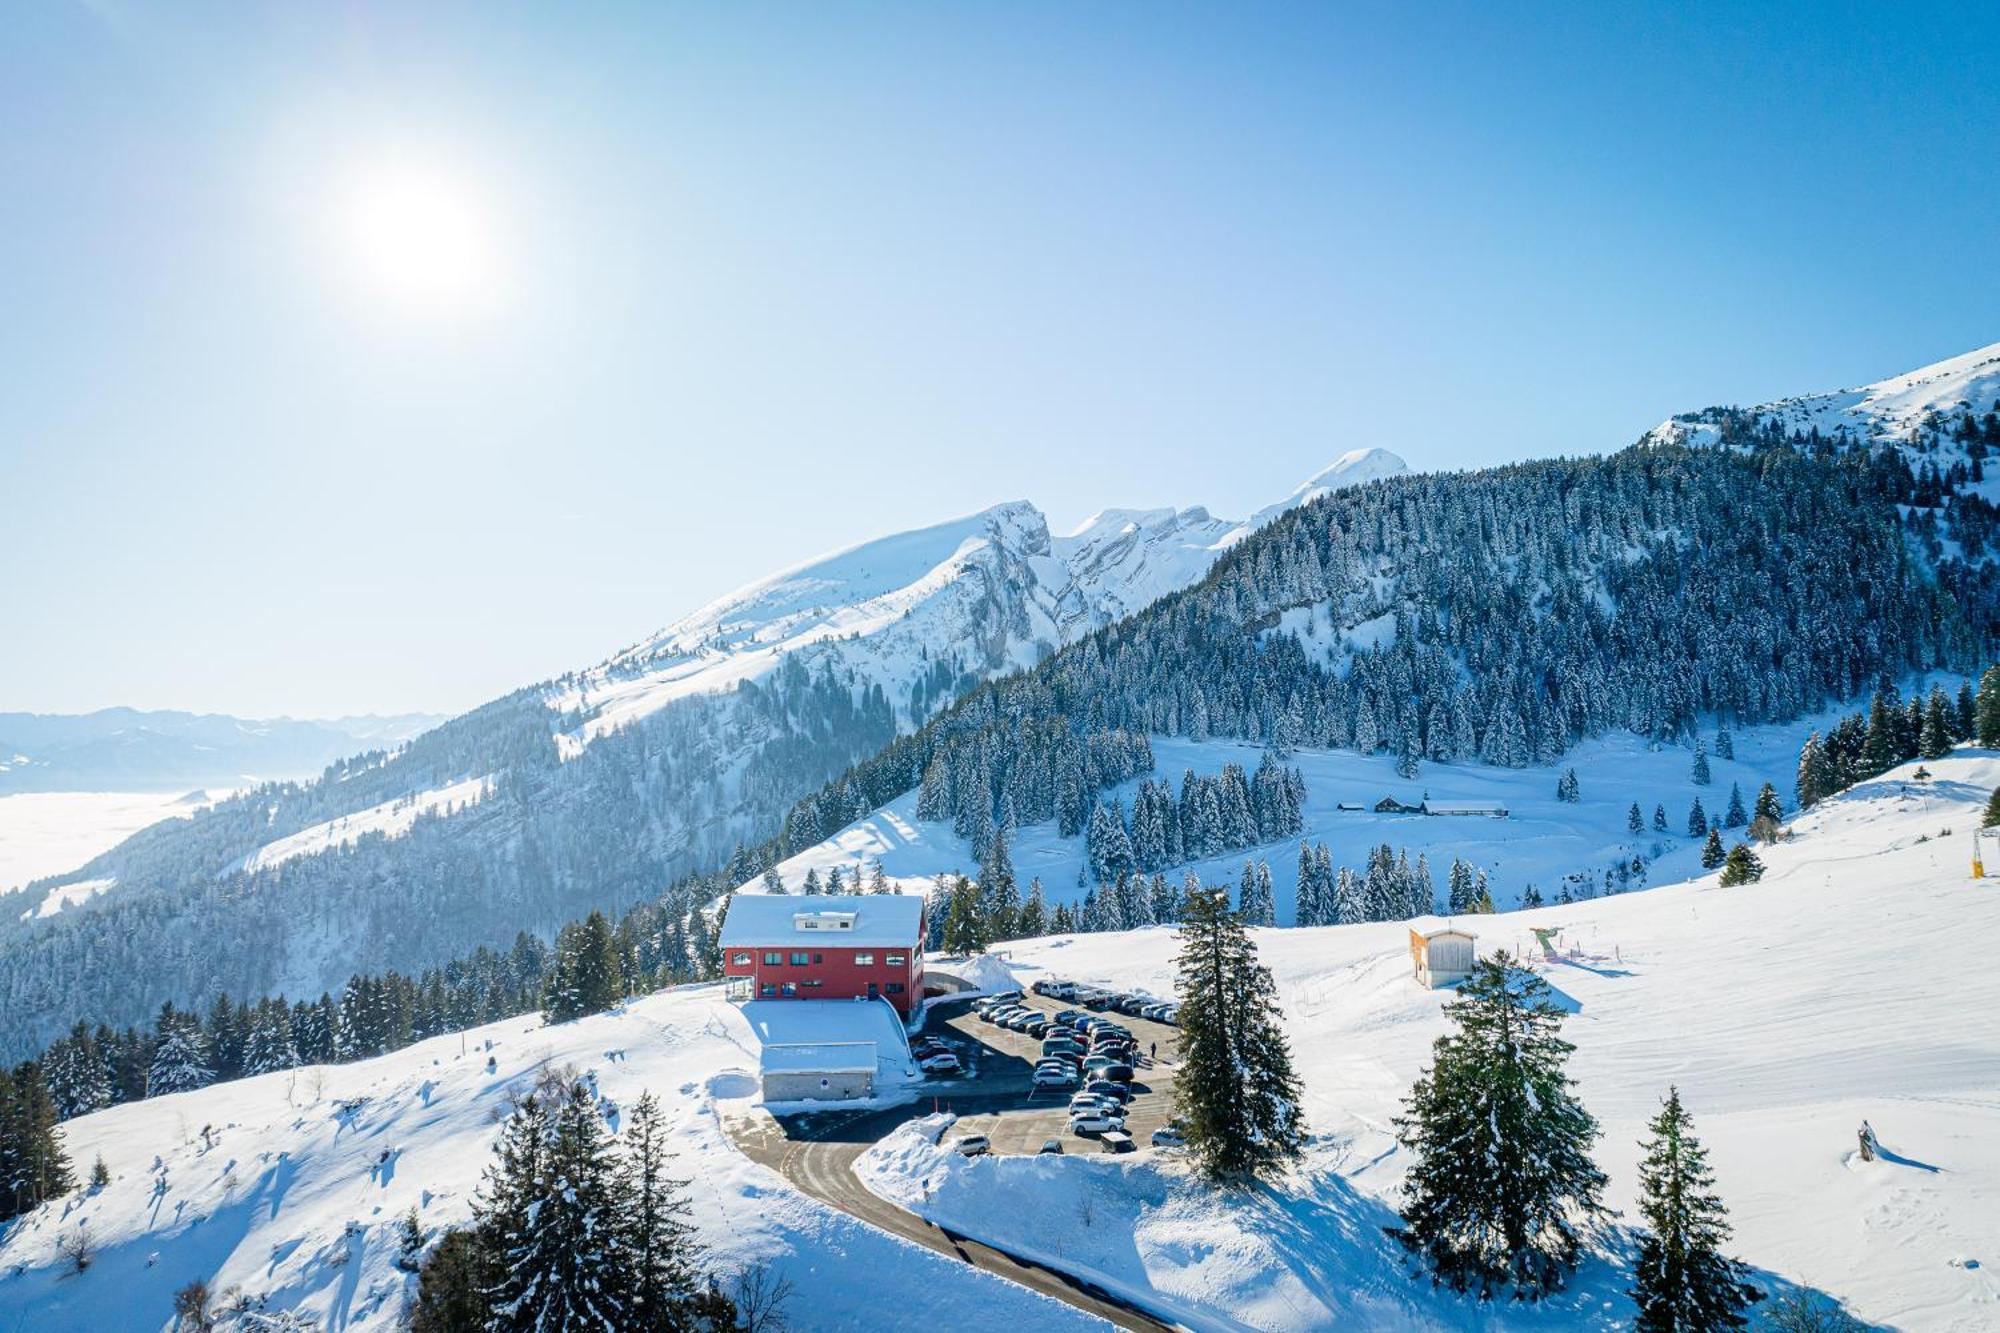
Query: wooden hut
1442	956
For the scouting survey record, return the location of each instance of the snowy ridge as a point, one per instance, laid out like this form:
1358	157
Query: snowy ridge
995	586
391	819
1889	411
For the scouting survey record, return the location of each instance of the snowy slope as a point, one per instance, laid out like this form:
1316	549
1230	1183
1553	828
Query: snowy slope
1539	843
1890	411
1845	986
996	587
391	819
298	1194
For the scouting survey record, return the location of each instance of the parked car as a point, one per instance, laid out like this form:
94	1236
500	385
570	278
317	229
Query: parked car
973	1145
942	1063
1054	1076
1109	1090
1090	1101
1050	1148
1006	995
1036	1027
1117	1140
1168	1137
1119	1073
1095	1122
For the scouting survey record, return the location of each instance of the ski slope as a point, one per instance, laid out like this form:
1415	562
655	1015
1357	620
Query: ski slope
1851	983
390	819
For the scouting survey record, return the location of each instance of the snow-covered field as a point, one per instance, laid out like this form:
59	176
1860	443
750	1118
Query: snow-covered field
1540	842
47	833
297	1190
1849	984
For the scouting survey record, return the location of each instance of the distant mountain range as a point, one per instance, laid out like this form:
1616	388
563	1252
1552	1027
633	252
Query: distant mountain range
125	749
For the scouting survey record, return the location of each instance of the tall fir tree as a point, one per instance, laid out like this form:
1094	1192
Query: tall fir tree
588	977
1684	1282
1986	710
1235	1090
662	1257
1501	1181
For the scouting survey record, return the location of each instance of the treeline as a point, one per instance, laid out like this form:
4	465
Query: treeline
1869	744
33	1165
1212	816
591	967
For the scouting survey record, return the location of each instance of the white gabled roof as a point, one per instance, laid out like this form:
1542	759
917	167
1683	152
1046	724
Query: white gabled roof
861	921
1465	807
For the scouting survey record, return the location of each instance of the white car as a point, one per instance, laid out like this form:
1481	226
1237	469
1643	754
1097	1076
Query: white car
943	1063
1054	1076
1168	1137
1095	1122
973	1145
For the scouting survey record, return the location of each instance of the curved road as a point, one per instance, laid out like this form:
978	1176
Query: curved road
817	1154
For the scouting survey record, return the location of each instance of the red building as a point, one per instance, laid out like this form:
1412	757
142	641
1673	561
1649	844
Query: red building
792	947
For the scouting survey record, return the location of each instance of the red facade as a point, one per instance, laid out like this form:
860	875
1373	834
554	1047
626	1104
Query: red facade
794	969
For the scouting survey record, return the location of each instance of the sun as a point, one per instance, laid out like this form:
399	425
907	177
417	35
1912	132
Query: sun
421	237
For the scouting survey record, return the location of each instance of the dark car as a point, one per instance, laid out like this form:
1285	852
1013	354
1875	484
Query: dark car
1050	1147
1116	1140
1105	1087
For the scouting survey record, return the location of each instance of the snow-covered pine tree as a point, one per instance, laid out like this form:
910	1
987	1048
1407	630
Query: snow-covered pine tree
1684	1282
1566	787
1767	805
1725	744
1459	892
270	1046
1936	740
774	882
1697	819
1986	710
999	899
180	1063
587	977
34	1167
1635	822
554	1212
1659	818
662	1256
1700	774
1712	851
1234	1090
1034	918
1992	816
1501	1177
1736	816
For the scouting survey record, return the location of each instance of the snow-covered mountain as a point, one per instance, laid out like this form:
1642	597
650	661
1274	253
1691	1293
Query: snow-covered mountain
1901	410
996	590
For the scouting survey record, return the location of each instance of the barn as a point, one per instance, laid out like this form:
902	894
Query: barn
825	947
1442	956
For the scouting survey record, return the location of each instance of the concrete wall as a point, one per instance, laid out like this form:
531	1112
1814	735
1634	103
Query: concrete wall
784	1086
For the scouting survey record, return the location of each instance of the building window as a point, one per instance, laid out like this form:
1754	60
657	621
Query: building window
773	959
895	988
768	992
791	988
819	958
864	960
801	959
740	960
896	960
809	984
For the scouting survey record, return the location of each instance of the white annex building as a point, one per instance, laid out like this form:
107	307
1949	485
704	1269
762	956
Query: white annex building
838	1052
1442	955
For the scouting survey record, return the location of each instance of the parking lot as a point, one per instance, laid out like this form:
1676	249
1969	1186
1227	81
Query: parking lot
998	1098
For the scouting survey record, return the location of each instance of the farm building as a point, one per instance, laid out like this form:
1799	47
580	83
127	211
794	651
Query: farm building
1389	805
1442	955
1351	807
825	947
1487	809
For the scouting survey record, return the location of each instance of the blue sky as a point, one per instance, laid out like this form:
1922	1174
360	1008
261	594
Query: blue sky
755	281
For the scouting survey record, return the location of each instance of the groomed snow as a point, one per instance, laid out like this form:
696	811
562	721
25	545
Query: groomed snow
1849	984
299	1190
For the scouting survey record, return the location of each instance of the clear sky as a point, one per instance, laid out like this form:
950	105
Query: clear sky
385	356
